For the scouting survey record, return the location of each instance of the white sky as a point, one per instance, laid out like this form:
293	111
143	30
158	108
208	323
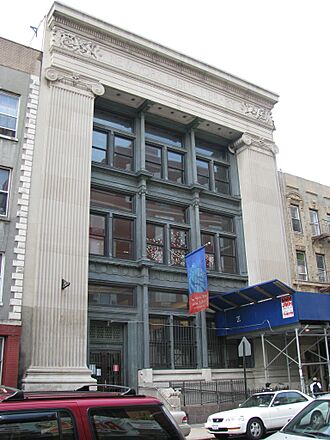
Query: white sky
280	45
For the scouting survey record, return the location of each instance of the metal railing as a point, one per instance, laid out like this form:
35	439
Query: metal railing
214	392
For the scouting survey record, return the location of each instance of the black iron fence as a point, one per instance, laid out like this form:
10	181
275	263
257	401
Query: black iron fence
216	392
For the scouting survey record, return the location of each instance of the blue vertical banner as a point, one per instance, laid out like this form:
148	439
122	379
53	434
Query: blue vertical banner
197	281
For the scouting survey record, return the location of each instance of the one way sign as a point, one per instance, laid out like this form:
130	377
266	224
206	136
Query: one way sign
244	348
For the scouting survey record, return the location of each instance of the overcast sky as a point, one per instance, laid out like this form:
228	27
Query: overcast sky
280	45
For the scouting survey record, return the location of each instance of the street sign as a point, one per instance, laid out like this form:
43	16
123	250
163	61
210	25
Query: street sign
244	348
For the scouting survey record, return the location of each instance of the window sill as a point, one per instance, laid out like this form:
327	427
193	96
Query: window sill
9	138
4	218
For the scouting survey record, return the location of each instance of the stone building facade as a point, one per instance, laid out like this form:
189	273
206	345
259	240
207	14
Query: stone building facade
19	93
141	155
307	220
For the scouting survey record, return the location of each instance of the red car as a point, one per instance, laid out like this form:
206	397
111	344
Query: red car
83	415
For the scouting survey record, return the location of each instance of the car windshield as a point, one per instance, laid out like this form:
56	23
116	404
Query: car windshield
258	400
312	422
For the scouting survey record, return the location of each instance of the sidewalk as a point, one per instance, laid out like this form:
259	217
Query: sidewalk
198	432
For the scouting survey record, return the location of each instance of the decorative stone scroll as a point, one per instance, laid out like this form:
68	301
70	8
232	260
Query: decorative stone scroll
75	80
258	112
257	143
68	40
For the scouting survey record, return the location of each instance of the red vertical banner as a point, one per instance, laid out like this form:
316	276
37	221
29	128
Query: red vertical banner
197	281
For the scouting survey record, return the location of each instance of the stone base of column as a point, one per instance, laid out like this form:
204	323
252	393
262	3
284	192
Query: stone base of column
56	379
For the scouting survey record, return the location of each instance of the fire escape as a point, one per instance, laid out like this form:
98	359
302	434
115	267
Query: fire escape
321	233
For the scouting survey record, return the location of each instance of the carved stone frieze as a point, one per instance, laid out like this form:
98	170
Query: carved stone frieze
74	80
70	41
257	143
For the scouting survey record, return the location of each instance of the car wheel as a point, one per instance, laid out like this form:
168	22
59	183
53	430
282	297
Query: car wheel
255	429
317	419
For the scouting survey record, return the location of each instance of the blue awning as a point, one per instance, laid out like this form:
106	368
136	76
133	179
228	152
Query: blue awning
266	306
249	295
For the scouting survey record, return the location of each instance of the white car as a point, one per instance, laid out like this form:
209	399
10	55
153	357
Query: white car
261	412
313	421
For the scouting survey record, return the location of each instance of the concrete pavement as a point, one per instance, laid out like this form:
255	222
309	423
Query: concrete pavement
198	432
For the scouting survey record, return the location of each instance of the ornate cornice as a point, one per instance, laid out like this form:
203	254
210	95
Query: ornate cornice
256	143
73	79
103	46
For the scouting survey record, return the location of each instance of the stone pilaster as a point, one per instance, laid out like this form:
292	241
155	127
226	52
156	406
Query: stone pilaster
265	239
58	325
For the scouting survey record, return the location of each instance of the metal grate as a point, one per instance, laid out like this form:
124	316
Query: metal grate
104	330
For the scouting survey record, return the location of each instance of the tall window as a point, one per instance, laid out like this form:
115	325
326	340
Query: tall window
164	156
4	190
315	224
218	236
2	265
112	221
172	338
113	141
167	233
301	266
8	114
328	223
321	270
295	218
212	167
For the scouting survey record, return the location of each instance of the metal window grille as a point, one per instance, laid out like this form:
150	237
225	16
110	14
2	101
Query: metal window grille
214	349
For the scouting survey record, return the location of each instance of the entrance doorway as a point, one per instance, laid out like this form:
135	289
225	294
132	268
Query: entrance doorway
106	353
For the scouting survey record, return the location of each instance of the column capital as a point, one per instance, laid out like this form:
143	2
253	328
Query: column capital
73	80
256	143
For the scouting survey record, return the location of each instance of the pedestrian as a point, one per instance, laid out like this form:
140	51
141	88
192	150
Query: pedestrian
315	387
267	387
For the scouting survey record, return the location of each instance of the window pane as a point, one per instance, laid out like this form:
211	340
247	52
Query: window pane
167	300
216	221
179	247
210	150
97	235
122	228
100	139
145	423
202	168
155	243
227	255
175	167
315	225
105	199
163	135
122	249
123	154
116	122
221	173
8	114
99	156
208	242
30	426
301	266
4	179
111	296
166	211
153	154
222	187
321	271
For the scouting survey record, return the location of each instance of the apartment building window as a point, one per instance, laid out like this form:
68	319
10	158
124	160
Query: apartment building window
212	167
2	266
321	269
4	190
113	141
295	218
301	266
9	104
112	220
218	236
167	233
328	222
315	224
173	342
165	157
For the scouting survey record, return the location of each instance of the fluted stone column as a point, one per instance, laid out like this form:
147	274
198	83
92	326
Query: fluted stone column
265	239
59	234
